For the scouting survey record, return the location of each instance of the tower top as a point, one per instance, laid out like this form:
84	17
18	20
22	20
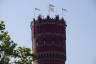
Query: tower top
56	19
48	20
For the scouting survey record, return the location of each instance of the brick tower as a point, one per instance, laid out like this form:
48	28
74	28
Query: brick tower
49	40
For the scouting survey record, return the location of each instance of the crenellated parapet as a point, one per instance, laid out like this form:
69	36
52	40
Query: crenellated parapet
48	20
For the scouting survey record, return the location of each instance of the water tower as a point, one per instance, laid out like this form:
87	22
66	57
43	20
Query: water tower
49	40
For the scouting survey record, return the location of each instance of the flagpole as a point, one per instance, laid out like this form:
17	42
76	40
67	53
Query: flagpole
34	13
49	13
62	12
48	9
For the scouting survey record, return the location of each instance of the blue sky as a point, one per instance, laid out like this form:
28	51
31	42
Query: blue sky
80	18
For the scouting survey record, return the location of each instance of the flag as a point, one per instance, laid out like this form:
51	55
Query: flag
51	8
64	9
51	5
37	9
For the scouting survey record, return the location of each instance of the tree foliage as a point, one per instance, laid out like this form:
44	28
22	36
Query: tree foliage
9	52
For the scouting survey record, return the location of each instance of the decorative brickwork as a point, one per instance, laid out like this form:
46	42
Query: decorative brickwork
49	40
